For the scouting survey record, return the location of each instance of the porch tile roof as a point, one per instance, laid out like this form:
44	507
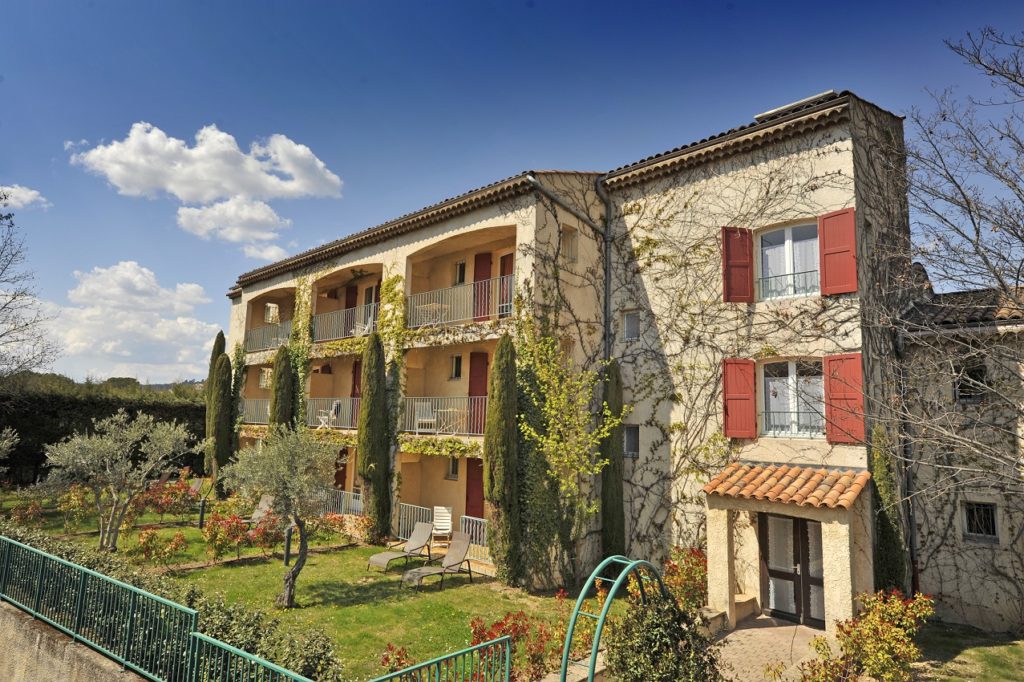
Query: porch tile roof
799	485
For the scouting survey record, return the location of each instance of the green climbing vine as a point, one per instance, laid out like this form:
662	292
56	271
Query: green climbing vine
300	343
439	446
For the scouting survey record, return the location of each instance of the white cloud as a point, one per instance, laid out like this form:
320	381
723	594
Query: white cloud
269	252
129	286
223	189
19	196
237	219
148	162
71	145
123	323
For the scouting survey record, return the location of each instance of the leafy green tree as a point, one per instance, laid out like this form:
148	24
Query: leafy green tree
219	417
501	464
291	466
613	513
218	350
116	462
374	439
282	396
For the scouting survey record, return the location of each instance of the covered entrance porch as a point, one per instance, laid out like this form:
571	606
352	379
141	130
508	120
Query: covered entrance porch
789	542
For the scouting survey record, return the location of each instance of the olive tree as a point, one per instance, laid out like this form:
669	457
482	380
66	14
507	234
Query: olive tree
292	467
116	462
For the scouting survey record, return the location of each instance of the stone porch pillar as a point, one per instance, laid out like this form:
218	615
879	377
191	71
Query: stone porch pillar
721	563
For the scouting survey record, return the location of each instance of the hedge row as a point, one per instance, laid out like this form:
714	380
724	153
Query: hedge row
41	418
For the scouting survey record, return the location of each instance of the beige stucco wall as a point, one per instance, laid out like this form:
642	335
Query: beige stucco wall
424	483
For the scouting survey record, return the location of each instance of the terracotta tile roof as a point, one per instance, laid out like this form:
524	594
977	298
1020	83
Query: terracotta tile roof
803	486
966	309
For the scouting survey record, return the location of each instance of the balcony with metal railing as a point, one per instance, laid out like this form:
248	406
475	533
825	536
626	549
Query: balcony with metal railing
343	324
454	416
790	284
256	411
802	424
268	336
332	413
487	299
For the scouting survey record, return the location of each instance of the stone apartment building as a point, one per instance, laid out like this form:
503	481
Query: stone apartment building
745	283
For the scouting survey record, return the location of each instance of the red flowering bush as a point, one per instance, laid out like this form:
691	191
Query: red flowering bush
268	534
223	533
395	658
686	577
175	498
532	652
878	643
28	513
173	547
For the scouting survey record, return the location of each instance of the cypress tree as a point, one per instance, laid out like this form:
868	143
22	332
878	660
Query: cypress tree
890	556
282	396
219	413
218	350
613	514
374	436
502	466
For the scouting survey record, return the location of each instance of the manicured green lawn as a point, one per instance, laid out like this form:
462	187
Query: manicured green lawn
956	653
365	610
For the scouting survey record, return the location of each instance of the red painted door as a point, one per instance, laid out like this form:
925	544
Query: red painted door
351	301
505	267
475	487
481	286
477	392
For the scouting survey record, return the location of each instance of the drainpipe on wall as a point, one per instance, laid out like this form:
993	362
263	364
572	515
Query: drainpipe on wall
907	450
604	232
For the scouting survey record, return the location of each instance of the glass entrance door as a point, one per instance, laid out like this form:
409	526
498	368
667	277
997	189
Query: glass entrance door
792	569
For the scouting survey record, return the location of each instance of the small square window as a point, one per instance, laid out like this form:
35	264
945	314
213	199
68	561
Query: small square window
460	273
453	469
456	367
631	441
631	325
272	313
568	244
970	383
266	376
980	521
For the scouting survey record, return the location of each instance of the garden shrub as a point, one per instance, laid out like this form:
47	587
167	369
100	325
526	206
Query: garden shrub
661	642
223	533
73	505
534	652
308	652
686	577
878	643
267	534
395	658
27	512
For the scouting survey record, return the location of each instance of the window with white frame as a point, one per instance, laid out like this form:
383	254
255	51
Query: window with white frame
271	313
631	325
794	399
569	243
452	474
266	376
460	273
456	367
980	522
788	262
630	440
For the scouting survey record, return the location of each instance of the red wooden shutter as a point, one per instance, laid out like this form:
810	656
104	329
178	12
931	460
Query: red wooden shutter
740	403
844	398
737	265
837	241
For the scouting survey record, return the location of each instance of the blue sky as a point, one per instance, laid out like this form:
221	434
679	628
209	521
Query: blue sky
362	111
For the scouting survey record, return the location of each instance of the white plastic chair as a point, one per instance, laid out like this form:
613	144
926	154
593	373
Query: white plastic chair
442	524
425	416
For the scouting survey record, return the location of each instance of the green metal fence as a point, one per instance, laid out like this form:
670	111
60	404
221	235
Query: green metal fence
487	662
215	660
139	630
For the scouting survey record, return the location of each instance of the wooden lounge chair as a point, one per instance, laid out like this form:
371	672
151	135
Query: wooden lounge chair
418	541
265	506
451	563
442	524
